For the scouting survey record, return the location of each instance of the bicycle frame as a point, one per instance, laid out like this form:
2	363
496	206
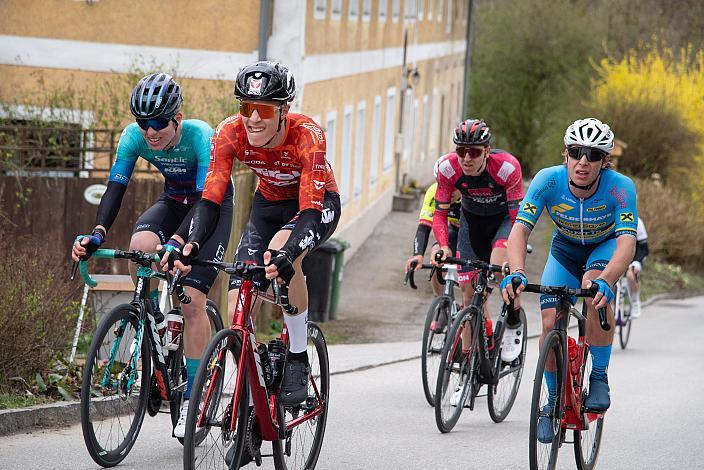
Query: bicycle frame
269	412
619	299
575	417
143	311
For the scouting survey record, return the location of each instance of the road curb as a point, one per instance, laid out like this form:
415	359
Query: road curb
40	416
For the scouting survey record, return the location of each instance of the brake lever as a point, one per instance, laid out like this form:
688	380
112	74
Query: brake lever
74	269
409	279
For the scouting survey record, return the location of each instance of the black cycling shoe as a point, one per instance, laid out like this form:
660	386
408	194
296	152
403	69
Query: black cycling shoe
252	444
294	389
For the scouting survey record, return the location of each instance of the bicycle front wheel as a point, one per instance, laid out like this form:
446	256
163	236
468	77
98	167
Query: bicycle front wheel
208	435
176	363
588	441
624	329
437	324
301	447
456	371
545	414
115	386
502	395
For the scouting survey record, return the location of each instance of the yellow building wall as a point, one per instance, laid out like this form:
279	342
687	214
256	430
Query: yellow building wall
205	24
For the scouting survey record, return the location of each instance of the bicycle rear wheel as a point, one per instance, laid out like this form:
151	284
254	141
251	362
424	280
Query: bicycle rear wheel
437	324
624	330
211	397
301	447
115	386
588	441
543	455
501	396
176	363
456	371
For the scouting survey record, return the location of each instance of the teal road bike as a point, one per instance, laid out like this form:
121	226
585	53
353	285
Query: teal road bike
119	385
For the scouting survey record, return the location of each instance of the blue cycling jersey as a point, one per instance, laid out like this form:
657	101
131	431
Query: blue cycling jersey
184	166
610	211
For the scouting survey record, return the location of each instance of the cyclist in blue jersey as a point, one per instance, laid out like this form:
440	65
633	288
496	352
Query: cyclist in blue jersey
594	211
180	150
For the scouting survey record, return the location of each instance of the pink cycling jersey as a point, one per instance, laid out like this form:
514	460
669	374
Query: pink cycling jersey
498	189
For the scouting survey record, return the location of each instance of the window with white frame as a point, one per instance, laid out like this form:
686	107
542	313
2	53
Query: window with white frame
421	8
395	10
407	124
430	9
448	23
376	126
439	17
330	137
335	9
359	150
433	151
389	128
346	155
410	10
319	9
383	8
366	10
424	129
353	10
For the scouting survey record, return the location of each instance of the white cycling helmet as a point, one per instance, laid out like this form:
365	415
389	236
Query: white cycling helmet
590	132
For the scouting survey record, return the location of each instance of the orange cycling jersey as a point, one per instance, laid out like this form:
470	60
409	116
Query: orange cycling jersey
296	169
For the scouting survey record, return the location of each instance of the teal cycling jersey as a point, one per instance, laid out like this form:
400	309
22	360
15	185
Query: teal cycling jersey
184	166
609	212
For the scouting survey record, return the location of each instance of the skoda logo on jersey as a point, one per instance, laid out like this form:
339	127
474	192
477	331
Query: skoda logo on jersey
318	184
251	252
255	86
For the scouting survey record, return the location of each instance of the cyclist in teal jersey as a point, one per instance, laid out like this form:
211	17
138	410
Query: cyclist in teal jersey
594	211
180	150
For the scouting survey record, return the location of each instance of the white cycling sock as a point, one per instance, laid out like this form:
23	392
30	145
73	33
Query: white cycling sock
297	331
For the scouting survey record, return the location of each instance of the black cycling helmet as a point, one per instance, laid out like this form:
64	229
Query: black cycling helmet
472	132
156	96
265	81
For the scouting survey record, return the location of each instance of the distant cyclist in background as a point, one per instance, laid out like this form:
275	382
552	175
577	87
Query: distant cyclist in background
633	272
425	225
180	149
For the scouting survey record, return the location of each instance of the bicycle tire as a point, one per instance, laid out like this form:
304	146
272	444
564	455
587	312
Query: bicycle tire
537	454
283	456
446	415
432	344
624	330
210	452
92	407
588	440
176	364
499	409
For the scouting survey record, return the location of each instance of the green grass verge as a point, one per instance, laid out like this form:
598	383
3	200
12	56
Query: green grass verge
664	278
9	401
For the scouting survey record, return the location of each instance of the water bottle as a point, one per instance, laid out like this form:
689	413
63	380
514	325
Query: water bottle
277	357
265	364
572	352
174	330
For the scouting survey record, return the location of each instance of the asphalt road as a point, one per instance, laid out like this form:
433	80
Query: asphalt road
379	419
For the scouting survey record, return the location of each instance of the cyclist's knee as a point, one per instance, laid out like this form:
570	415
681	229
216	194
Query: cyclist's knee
196	307
144	241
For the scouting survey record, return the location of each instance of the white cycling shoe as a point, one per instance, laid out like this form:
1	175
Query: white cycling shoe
512	343
180	428
635	308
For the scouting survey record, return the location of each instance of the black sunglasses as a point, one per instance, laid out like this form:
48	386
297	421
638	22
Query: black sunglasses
592	154
156	124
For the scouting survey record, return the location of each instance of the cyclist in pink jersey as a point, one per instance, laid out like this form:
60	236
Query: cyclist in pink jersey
491	184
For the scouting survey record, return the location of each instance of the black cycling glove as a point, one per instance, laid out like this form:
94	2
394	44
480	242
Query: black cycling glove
283	263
